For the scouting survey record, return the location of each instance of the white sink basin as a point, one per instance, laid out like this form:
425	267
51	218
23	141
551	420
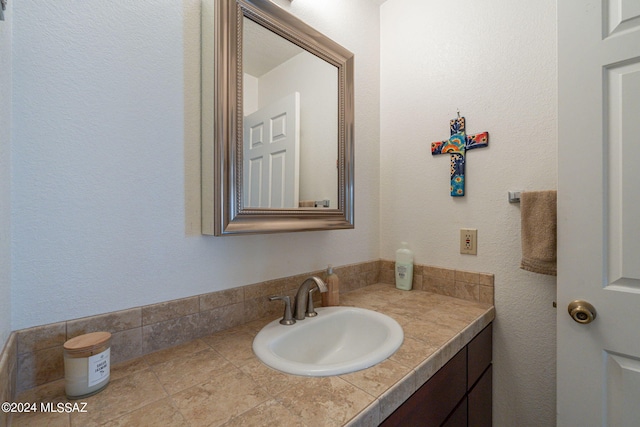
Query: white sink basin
337	341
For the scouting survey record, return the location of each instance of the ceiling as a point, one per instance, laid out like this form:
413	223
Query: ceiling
257	60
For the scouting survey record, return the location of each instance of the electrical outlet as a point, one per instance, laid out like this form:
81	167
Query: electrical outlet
469	241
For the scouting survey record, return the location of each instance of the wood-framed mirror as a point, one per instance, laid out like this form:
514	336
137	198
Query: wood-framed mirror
277	123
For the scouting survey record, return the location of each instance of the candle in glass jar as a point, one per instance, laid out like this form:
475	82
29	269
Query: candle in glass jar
87	364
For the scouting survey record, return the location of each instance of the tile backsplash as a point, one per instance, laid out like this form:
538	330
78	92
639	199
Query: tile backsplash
467	285
34	356
8	370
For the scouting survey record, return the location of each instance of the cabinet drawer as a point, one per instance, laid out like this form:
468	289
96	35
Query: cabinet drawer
479	355
459	417
480	401
434	401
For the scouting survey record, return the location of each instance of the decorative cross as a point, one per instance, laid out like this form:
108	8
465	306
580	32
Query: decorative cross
457	146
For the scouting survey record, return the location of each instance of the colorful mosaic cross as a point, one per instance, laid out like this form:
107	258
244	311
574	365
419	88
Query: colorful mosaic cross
457	146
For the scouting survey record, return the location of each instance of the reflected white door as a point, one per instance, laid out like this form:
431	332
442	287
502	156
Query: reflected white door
271	155
599	211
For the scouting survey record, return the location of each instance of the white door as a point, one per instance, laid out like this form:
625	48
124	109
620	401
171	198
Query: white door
271	155
599	211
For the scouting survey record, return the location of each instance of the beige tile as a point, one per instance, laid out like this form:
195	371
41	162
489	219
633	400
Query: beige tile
221	298
257	308
109	322
428	331
126	345
50	393
41	419
400	313
486	279
8	369
467	276
172	332
41	337
377	379
417	305
436	283
371	302
255	325
467	291
121	397
372	277
412	352
387	276
219	399
235	347
268	414
161	413
438	359
264	289
220	318
374	296
180	373
486	294
39	367
397	394
271	380
459	309
178	352
439	272
169	310
387	265
417	282
129	367
350	283
368	417
326	401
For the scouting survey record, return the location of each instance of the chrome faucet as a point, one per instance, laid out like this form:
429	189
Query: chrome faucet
304	298
287	319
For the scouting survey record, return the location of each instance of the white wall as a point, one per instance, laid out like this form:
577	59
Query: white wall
5	176
103	137
496	62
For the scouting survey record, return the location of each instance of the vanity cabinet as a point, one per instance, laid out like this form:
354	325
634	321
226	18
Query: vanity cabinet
458	395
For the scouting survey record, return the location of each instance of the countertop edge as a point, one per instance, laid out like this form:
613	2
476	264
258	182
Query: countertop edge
390	400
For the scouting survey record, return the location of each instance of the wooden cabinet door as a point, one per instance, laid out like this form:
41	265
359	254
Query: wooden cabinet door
434	401
480	401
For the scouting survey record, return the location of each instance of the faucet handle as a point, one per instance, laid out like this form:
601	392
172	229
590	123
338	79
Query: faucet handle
287	319
311	312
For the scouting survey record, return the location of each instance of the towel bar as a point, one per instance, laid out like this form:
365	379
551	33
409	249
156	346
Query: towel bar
514	196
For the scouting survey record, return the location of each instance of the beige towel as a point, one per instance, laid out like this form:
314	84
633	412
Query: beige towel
307	204
538	230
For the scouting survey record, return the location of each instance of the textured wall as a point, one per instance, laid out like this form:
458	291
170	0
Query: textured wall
496	62
105	131
5	176
106	121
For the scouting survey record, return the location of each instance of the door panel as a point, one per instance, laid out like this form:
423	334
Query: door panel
599	211
623	382
271	155
623	150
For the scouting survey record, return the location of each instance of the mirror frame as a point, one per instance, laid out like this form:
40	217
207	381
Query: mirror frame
222	131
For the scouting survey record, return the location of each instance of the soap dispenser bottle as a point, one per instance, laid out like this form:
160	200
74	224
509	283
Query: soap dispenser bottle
332	296
404	267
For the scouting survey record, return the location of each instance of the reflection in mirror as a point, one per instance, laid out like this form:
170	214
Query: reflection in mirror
277	122
290	126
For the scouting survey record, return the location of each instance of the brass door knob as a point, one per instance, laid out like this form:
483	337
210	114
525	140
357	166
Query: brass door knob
582	311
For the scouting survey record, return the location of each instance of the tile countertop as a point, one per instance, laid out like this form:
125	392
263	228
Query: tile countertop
217	380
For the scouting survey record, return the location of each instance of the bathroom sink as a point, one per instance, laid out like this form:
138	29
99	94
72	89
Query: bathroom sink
337	341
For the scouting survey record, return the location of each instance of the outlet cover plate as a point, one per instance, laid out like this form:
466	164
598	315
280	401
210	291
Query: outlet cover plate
469	241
